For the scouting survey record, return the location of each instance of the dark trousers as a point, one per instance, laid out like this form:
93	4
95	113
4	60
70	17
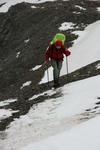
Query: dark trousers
56	70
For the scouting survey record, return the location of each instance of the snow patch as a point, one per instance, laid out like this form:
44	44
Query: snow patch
49	93
5	113
7	102
42	7
98	8
81	36
81	8
66	26
75	12
18	54
26	41
33	7
98	66
26	84
36	68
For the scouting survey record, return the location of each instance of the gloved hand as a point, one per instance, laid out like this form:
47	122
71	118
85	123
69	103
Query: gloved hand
68	53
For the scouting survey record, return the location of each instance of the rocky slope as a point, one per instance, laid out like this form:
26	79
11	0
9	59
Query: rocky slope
25	32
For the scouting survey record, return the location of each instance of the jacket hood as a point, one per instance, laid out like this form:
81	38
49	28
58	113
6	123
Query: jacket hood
58	43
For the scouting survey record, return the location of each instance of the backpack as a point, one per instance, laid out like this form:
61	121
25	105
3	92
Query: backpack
58	36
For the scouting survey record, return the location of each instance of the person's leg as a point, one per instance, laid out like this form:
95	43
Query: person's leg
55	71
59	66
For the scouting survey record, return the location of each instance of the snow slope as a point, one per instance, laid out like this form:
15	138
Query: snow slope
5	113
86	49
62	117
55	116
82	137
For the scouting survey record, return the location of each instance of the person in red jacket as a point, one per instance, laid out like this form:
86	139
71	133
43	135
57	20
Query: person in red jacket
55	53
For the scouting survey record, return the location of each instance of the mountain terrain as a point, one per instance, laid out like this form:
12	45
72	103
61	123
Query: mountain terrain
26	29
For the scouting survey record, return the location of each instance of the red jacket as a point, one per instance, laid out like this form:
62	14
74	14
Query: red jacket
56	54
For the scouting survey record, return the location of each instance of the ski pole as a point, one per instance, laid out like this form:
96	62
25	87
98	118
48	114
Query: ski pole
67	66
47	75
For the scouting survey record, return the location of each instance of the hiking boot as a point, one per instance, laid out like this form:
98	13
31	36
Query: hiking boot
56	84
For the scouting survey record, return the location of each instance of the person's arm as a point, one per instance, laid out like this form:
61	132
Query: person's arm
47	54
66	51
